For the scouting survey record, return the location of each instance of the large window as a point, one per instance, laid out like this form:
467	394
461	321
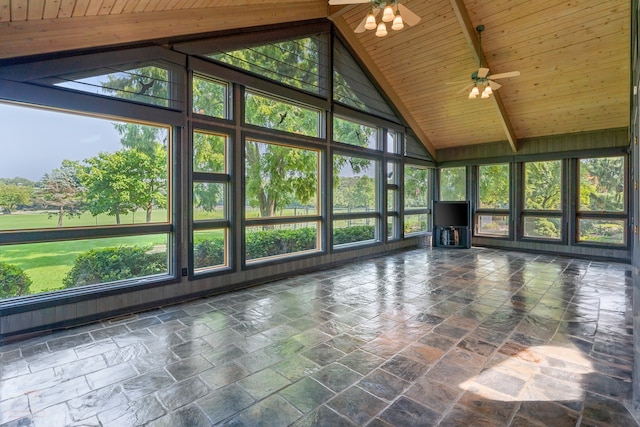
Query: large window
601	200
542	215
355	199
492	212
416	199
210	196
393	200
453	184
282	187
84	200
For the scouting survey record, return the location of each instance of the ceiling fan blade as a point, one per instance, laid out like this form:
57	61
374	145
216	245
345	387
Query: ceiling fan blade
494	86
504	75
342	2
457	83
466	88
408	17
360	28
482	72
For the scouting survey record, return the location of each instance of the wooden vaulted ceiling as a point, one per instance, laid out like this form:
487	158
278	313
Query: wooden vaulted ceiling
573	55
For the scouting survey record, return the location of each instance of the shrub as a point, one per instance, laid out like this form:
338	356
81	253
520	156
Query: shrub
208	252
261	244
13	281
353	234
116	263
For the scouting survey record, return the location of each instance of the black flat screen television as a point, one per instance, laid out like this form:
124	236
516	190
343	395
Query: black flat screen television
451	214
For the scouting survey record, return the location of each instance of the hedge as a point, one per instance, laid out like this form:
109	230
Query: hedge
118	263
115	263
13	281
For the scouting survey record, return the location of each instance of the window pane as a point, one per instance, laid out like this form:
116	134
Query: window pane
354	133
53	266
393	142
210	97
354	184
78	171
602	184
542	186
209	200
415	223
543	227
602	231
148	84
209	152
282	239
354	230
492	225
453	184
297	63
494	186
392	200
274	114
392	173
280	180
210	249
392	228
416	187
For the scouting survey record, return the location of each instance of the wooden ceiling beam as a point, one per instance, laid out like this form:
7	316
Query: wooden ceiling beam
380	78
25	38
471	36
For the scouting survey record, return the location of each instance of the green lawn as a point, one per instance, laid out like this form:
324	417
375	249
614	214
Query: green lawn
30	220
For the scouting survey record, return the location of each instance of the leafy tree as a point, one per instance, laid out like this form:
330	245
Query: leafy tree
208	156
453	184
277	175
61	189
416	187
494	186
13	281
145	84
113	182
542	185
14	195
208	97
292	62
602	184
354	133
17	181
355	193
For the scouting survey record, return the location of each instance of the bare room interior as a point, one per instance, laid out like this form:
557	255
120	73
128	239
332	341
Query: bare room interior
319	213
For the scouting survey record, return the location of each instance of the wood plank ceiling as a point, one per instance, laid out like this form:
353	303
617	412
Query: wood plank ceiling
574	55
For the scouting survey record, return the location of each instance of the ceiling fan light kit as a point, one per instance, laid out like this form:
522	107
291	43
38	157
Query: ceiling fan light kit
392	11
484	79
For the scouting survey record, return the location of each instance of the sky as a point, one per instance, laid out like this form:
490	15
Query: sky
35	141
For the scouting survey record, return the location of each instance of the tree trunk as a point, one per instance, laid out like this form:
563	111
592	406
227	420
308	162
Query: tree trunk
60	215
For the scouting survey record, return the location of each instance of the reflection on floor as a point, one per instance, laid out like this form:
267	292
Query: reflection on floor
425	337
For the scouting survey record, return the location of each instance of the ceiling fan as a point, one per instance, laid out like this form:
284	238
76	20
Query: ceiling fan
392	11
483	77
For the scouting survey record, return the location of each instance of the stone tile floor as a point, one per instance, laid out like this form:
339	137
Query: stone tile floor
475	337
